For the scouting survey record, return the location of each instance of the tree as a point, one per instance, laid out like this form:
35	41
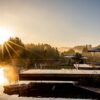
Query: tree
13	48
85	50
69	52
78	58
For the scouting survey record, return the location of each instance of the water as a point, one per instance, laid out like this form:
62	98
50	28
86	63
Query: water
30	98
15	97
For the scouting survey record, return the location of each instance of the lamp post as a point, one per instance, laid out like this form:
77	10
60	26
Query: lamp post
45	55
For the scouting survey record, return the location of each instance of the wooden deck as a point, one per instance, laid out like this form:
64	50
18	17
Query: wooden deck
58	75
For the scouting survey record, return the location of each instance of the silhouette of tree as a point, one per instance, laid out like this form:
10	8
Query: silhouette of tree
13	48
78	58
69	52
85	50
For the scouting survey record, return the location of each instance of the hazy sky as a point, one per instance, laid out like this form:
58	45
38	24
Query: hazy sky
57	22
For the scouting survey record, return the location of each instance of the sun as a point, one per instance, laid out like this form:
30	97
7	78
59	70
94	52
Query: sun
5	34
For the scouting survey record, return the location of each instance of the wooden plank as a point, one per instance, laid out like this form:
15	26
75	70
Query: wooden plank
63	71
58	75
92	89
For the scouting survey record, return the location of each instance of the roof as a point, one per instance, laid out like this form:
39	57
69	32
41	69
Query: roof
94	50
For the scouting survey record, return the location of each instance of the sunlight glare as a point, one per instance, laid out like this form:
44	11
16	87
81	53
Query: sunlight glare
3	79
5	34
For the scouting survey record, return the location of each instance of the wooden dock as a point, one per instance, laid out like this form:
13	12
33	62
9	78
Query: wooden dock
58	75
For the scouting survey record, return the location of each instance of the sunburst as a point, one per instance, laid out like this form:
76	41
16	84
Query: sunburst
5	34
7	45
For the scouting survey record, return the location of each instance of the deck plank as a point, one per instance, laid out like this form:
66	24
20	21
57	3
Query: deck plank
58	75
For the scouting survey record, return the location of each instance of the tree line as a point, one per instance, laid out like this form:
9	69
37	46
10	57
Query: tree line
28	55
15	52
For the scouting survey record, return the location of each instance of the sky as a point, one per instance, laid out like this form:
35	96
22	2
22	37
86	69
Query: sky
61	23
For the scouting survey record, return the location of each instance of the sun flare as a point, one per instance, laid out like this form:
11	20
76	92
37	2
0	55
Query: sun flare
5	34
3	79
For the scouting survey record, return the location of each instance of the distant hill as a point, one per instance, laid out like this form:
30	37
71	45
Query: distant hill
98	46
78	48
